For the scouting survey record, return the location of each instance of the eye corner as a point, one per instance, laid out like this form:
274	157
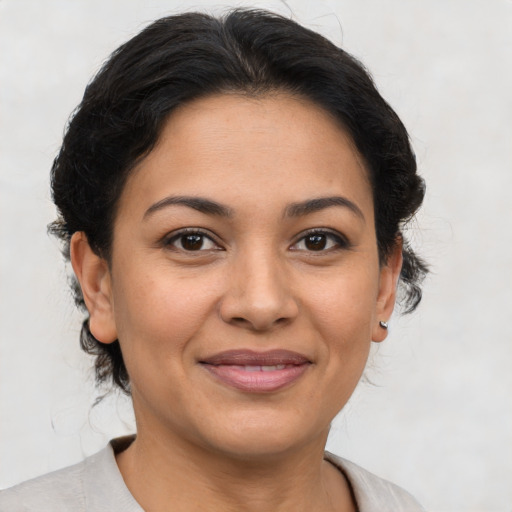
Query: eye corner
199	241
321	241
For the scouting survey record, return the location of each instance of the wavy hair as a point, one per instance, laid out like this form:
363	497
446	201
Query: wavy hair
180	58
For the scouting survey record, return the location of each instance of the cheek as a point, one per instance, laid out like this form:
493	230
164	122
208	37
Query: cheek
342	311
345	302
158	314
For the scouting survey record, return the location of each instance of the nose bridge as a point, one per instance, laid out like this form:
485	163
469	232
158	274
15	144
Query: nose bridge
263	278
259	293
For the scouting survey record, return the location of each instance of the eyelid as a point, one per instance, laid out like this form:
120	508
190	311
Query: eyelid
169	238
341	240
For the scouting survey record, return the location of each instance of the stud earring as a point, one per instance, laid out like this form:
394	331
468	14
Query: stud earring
383	324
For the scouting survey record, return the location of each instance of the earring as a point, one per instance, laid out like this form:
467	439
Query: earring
383	324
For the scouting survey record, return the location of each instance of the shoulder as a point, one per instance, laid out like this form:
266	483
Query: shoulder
58	491
92	485
373	493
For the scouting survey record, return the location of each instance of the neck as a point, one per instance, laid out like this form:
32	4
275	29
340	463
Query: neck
166	474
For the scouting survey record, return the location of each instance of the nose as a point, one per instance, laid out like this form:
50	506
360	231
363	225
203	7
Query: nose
258	295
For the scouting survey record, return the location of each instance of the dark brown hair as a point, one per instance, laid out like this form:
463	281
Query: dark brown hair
180	58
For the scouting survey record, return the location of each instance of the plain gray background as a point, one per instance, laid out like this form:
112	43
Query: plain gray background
438	418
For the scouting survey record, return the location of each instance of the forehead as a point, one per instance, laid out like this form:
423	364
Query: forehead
230	145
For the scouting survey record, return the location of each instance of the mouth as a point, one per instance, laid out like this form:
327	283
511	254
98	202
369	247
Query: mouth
257	372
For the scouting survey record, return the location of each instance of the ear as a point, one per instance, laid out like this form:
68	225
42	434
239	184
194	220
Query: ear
389	275
93	274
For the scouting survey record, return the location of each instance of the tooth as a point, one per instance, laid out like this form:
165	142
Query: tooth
264	368
252	368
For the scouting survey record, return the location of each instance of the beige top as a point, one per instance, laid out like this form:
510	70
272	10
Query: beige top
96	485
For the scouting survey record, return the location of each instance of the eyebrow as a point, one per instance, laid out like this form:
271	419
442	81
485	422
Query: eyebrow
200	204
210	207
321	203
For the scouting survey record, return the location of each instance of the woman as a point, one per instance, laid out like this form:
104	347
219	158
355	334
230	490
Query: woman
231	194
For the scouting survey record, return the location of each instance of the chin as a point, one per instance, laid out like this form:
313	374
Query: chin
262	436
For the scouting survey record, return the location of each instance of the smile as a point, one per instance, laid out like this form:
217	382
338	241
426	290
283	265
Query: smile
257	372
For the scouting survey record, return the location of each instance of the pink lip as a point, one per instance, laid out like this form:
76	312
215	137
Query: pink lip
257	372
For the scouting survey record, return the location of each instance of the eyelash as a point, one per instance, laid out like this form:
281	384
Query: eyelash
170	240
338	240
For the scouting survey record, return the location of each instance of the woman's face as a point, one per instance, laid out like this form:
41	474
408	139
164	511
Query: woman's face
245	286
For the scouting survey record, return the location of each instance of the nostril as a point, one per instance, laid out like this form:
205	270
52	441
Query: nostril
246	323
240	321
262	309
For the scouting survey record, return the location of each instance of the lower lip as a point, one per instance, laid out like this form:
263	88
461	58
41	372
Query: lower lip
258	381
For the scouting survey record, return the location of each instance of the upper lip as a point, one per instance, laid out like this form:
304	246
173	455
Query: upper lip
253	358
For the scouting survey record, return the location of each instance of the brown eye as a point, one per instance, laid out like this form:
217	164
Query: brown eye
321	241
191	241
316	242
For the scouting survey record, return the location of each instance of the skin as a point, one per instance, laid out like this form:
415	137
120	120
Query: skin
254	284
